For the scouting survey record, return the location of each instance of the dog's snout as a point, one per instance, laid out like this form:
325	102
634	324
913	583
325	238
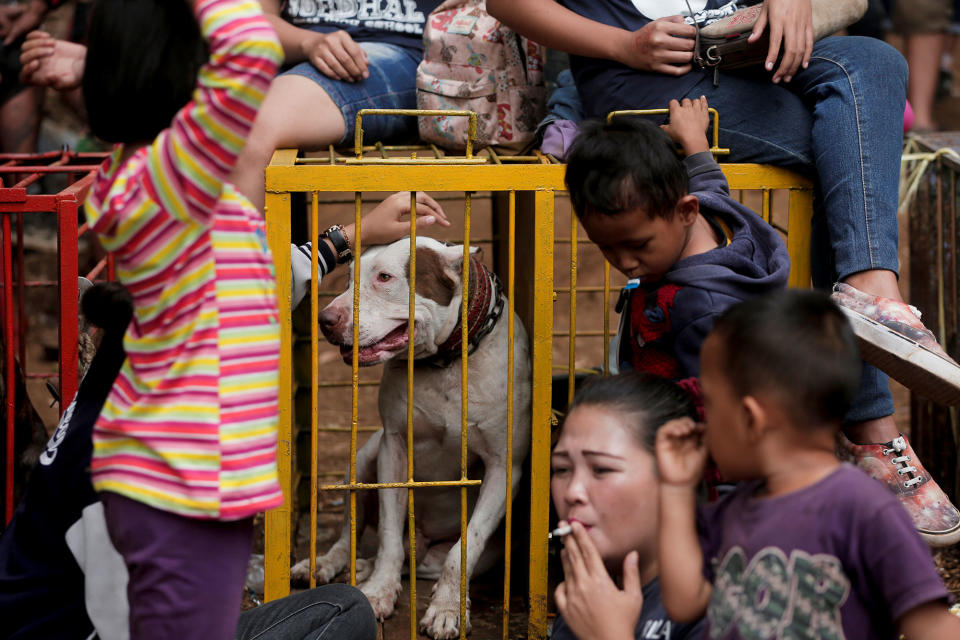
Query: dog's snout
332	319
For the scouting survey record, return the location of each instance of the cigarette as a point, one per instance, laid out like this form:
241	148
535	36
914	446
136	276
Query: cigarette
559	532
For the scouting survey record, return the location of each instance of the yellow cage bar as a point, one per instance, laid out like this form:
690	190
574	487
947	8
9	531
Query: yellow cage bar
526	189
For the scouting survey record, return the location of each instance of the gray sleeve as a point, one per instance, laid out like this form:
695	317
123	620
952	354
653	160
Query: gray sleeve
104	574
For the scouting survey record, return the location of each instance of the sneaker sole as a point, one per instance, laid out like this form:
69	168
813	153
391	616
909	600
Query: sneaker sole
906	361
941	539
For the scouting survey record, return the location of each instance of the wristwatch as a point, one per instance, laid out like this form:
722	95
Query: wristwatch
340	245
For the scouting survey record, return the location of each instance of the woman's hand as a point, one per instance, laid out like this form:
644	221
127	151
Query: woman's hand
49	62
336	55
791	24
387	223
664	46
681	453
688	124
18	19
590	602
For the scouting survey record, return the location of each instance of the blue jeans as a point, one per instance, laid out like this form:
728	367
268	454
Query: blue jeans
330	612
392	85
839	121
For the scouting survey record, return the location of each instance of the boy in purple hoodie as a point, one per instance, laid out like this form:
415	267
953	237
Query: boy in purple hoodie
670	225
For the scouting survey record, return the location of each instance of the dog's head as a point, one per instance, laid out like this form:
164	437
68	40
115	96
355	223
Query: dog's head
385	298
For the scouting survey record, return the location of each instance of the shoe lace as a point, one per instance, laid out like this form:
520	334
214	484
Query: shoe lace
899	445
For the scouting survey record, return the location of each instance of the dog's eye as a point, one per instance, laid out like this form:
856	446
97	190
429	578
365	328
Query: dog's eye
384	277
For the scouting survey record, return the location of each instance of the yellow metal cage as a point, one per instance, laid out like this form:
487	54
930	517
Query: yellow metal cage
528	239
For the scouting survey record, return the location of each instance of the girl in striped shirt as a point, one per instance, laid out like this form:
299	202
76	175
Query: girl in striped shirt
185	447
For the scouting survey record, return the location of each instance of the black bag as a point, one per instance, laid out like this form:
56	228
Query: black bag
723	44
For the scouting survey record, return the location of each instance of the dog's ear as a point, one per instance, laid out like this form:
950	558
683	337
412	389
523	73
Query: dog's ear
453	255
437	278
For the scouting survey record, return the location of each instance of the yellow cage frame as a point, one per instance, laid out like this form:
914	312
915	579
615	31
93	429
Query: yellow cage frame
530	184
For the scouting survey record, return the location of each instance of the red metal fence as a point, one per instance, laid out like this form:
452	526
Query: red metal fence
21	186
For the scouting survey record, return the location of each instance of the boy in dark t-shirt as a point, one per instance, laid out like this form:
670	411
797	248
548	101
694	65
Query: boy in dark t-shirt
805	546
670	226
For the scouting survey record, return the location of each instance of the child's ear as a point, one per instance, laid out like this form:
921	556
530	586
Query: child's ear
756	416
688	207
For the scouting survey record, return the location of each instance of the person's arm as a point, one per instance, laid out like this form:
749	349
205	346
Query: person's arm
681	455
335	55
386	223
688	124
687	127
189	162
590	602
664	45
930	621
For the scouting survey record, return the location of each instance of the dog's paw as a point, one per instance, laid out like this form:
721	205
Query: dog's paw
442	620
382	597
364	569
300	572
329	566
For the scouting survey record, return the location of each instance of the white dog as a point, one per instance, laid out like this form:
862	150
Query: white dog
384	298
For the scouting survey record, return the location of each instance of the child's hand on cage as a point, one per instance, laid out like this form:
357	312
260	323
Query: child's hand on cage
688	124
389	222
591	603
681	453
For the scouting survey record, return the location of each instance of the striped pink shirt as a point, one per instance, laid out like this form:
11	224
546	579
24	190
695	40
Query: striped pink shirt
190	425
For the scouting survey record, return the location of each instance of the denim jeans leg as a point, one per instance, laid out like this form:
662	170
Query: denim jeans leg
333	611
857	89
840	121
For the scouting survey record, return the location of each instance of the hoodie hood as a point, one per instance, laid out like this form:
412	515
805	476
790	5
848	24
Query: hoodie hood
754	262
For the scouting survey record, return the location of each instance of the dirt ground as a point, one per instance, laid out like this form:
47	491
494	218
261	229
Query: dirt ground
334	398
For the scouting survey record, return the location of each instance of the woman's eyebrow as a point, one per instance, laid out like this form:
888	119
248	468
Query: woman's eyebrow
605	454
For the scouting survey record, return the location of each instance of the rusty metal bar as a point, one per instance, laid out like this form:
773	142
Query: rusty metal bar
572	347
21	298
579	289
355	381
314	379
69	305
606	318
411	324
8	365
508	516
471	130
412	484
464	400
715	148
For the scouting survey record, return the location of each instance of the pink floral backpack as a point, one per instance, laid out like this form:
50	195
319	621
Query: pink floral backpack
473	62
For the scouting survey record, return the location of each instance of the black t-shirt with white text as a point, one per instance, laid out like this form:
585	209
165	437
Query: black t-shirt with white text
398	22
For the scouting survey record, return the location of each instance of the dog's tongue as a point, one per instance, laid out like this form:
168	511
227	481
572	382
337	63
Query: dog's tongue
372	354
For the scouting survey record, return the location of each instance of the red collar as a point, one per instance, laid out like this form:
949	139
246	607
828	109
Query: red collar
485	308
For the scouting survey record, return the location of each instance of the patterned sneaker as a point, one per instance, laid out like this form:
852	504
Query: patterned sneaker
896	465
893	339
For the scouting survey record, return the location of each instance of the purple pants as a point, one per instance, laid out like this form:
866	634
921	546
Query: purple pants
186	575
